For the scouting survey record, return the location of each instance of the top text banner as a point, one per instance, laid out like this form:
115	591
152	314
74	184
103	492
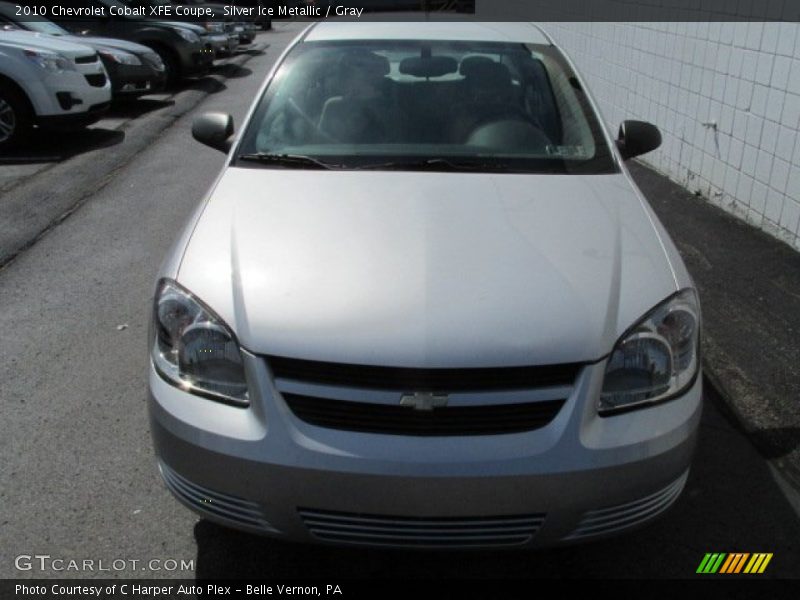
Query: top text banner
65	11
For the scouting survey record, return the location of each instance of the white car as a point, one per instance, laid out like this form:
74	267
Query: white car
425	305
48	82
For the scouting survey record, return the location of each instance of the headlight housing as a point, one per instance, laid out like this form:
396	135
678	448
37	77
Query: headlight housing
123	58
49	61
189	36
154	60
214	27
656	359
193	349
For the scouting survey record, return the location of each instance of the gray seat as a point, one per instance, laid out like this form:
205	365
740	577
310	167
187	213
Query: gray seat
489	95
362	113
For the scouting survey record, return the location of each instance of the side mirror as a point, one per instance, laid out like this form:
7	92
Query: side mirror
636	138
214	129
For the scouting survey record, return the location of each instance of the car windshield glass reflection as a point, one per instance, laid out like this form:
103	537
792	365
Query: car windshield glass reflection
429	105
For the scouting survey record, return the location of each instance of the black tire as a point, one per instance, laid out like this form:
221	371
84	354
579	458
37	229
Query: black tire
16	119
172	66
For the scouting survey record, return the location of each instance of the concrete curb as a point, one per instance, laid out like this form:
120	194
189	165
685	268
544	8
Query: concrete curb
33	207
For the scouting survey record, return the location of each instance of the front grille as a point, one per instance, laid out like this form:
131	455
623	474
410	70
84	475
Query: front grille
233	510
613	519
434	380
421	532
486	419
96	80
85	60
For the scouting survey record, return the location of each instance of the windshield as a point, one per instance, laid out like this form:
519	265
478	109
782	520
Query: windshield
392	104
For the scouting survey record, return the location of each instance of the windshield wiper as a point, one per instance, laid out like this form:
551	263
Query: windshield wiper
439	164
299	161
296	161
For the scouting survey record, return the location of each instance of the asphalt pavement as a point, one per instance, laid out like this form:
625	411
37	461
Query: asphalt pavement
78	477
54	173
749	285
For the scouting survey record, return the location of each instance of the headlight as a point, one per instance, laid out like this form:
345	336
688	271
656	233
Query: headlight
154	60
123	58
214	27
189	36
193	349
49	61
656	359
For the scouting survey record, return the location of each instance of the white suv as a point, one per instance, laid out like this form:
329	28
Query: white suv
48	82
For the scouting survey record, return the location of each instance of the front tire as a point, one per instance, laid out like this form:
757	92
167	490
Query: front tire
172	66
15	119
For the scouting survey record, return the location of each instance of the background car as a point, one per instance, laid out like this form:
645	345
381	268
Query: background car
182	47
219	9
425	305
242	27
48	82
261	17
219	31
134	69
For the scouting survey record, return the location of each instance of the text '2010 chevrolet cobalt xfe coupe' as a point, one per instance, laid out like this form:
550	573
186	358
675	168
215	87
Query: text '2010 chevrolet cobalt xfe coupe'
424	304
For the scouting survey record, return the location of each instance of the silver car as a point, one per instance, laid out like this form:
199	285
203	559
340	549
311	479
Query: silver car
424	304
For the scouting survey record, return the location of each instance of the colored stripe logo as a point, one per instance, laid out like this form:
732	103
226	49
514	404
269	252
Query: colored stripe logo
734	562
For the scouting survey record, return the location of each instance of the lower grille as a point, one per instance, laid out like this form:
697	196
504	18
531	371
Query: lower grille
96	80
617	518
489	419
87	59
421	532
236	511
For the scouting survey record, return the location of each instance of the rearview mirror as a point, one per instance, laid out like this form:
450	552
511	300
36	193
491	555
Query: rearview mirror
432	66
636	138
214	129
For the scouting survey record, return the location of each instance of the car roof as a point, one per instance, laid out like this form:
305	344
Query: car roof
526	33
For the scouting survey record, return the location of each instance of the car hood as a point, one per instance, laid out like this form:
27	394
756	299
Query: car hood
198	29
30	39
426	269
112	43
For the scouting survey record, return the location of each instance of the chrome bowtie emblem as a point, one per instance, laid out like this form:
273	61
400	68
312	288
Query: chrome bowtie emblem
423	400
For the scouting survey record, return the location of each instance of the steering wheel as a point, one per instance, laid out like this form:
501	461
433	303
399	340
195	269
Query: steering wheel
311	122
501	111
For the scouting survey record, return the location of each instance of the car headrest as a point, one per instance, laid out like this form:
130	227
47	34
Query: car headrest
368	63
432	66
470	63
485	72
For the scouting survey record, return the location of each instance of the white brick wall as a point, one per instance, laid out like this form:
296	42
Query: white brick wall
682	76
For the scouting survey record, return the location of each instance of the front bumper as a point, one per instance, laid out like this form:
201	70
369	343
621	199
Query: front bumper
130	80
224	44
247	33
76	120
264	470
68	99
196	59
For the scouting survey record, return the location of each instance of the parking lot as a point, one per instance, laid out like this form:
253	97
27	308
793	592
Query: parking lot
45	149
79	479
